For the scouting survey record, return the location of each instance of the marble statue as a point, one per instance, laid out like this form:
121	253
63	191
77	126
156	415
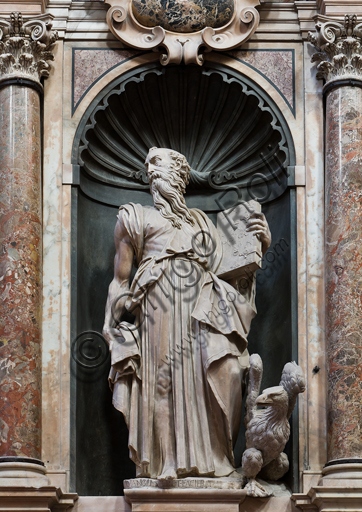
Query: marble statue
178	374
267	429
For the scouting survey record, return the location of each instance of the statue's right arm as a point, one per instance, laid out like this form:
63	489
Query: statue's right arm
118	290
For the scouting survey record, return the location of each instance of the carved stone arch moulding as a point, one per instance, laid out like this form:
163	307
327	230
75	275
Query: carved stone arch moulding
187	29
228	128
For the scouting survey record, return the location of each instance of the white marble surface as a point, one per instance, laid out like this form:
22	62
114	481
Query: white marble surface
55	395
101	504
313	351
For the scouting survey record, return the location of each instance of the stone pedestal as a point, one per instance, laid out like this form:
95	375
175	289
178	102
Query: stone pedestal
24	50
46	499
185	500
200	494
186	495
339	489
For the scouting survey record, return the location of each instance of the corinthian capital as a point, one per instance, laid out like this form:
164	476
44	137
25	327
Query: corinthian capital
25	47
339	49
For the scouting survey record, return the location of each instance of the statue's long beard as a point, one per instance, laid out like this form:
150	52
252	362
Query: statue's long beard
168	199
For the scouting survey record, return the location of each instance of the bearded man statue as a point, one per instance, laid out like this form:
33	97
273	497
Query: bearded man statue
177	374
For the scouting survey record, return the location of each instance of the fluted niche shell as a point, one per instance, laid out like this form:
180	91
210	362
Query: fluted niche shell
183	15
224	128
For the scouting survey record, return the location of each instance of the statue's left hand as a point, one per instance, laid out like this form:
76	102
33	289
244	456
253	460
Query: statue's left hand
258	225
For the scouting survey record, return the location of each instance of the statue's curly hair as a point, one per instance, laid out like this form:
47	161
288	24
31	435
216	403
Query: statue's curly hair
180	164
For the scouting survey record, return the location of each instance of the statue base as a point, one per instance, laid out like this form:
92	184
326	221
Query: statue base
197	494
186	495
224	483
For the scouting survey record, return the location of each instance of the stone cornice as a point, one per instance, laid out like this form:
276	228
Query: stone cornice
86	21
25	47
26	7
334	8
339	49
307	10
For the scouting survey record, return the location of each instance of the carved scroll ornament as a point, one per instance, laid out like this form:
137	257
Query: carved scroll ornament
180	46
339	48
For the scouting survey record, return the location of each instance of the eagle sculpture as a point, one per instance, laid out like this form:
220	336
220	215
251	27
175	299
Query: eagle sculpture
267	428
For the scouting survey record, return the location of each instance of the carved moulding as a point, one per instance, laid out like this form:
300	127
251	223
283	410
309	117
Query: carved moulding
339	49
181	46
25	47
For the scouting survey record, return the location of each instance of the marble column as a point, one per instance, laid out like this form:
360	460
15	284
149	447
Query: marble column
340	65
343	232
24	49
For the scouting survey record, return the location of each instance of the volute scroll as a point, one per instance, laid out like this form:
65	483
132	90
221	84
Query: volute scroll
180	45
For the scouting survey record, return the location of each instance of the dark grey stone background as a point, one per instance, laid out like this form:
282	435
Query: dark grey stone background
101	435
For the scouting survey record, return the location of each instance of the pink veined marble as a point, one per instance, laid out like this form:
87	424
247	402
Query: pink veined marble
276	65
343	216
90	65
20	272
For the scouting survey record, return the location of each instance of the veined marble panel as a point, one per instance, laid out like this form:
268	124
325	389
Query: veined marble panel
183	16
20	272
343	226
277	66
56	278
312	347
90	65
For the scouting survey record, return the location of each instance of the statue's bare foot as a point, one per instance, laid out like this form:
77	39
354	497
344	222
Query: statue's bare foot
256	490
167	477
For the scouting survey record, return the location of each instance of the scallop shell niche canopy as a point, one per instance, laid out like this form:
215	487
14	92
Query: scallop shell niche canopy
183	15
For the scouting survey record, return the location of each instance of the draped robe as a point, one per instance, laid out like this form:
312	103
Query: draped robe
187	322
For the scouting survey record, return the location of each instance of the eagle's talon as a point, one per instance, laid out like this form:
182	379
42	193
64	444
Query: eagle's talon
255	490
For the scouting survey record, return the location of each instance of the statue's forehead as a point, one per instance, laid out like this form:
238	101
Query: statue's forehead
163	153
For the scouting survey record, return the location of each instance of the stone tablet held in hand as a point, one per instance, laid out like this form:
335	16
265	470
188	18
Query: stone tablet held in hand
241	249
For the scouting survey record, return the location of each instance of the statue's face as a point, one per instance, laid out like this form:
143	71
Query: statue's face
157	162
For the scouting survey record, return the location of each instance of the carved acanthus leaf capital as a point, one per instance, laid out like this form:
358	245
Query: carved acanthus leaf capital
339	48
25	47
176	46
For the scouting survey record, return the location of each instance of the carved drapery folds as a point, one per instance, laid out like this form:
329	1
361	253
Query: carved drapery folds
25	47
339	49
177	47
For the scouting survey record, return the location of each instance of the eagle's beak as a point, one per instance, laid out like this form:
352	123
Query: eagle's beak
263	399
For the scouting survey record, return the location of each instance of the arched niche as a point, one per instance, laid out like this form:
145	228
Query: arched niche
239	147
